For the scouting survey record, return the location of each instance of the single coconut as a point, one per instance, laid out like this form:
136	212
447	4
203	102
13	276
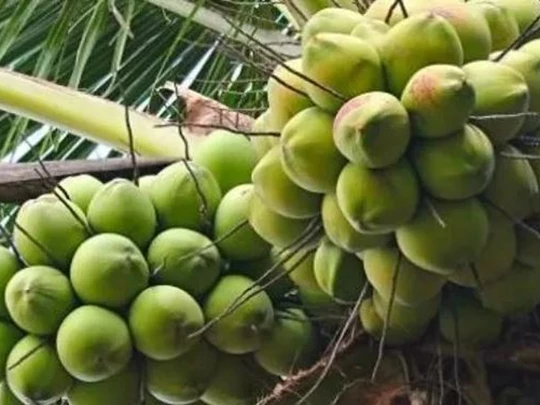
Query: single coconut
496	257
439	100
470	25
145	184
455	167
524	11
9	336
185	378
161	320
413	285
515	293
230	158
264	124
308	154
372	130
528	246
500	90
80	189
38	298
274	228
34	372
338	273
279	193
234	236
93	343
332	19
236	382
185	259
9	265
502	24
378	201
121	207
290	346
6	396
463	320
108	270
513	189
406	49
528	65
445	236
191	187
340	231
239	329
340	67
122	388
286	92
49	230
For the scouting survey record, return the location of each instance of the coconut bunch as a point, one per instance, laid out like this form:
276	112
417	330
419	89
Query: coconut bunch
403	135
149	291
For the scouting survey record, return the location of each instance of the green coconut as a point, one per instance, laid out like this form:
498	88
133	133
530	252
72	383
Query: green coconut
338	273
121	207
515	293
445	236
455	167
290	346
524	11
502	24
372	31
372	130
500	90
381	10
406	50
513	188
237	240
308	154
235	382
378	201
185	259
109	270
122	388
38	298
9	336
161	320
470	25
6	396
414	285
93	343
190	186
279	193
532	47
274	228
496	257
528	246
331	20
145	184
230	158
49	230
9	265
374	325
439	100
403	317
185	378
341	233
286	92
34	373
242	330
264	123
463	319
528	65
343	67
267	268
80	189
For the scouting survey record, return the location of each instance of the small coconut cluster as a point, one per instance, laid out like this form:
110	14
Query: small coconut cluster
127	292
413	139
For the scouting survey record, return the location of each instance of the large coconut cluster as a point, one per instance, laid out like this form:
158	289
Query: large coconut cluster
125	293
405	136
